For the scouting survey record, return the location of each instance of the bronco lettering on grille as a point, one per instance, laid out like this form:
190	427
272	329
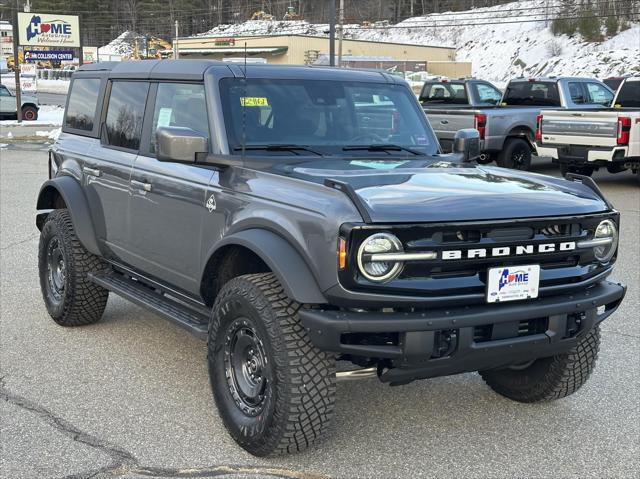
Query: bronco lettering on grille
508	250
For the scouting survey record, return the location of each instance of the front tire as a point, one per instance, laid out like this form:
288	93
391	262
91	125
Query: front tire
275	391
63	263
551	378
515	154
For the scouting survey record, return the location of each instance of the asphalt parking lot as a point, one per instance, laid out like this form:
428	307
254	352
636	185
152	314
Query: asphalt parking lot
129	396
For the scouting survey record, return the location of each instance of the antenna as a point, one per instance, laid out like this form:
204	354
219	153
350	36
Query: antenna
244	106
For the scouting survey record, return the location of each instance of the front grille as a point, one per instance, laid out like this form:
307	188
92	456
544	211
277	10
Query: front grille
467	275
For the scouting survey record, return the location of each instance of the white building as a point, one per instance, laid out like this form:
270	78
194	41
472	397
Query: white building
6	39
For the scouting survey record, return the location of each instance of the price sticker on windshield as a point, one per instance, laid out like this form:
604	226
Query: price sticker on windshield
254	101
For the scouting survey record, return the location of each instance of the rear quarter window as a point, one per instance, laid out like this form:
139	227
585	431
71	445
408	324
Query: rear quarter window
83	104
445	93
629	95
532	93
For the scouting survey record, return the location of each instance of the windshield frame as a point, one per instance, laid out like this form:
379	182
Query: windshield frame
234	144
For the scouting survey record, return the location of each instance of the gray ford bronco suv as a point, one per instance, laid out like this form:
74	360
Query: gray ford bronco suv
297	217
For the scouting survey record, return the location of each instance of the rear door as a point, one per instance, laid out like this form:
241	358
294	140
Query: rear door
108	170
167	206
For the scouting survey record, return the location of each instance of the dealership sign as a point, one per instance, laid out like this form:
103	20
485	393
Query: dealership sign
47	29
47	55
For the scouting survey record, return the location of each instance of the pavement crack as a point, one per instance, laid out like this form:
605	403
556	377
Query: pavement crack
124	463
17	243
121	460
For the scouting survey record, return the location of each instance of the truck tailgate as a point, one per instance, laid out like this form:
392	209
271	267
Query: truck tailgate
587	128
446	124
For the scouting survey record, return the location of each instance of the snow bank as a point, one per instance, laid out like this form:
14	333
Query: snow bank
498	42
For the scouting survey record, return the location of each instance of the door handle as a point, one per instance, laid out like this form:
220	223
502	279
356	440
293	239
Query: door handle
444	122
91	171
141	185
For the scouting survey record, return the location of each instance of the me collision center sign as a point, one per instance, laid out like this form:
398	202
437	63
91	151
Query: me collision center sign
48	29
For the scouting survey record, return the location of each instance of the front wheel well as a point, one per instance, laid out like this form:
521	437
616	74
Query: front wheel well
225	264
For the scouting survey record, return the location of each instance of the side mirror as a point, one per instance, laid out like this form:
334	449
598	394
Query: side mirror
467	143
179	144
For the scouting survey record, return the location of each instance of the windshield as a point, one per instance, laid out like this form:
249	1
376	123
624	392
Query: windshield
326	117
536	93
629	95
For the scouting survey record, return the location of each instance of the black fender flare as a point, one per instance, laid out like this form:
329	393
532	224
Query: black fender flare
282	258
71	192
524	132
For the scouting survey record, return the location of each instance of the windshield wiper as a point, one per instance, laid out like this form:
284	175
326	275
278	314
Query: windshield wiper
279	147
381	147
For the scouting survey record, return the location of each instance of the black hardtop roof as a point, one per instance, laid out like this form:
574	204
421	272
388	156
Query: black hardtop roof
192	69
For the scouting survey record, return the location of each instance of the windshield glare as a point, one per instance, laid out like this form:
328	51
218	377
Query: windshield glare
327	116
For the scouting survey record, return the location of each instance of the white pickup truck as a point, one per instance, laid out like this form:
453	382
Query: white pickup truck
584	141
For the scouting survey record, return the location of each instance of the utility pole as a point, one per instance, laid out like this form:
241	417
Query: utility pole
340	31
332	33
176	53
16	64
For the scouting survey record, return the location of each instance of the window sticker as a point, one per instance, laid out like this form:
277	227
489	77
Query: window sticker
254	101
164	117
378	164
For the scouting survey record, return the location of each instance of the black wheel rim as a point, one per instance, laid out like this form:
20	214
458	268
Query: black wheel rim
519	157
246	367
56	269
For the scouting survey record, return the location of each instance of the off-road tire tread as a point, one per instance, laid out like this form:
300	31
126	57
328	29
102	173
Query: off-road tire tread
84	301
308	375
565	374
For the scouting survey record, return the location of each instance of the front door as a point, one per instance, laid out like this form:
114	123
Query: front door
168	200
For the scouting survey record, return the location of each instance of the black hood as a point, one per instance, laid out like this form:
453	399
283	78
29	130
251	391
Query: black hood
448	192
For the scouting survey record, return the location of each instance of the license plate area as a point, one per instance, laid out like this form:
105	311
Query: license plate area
513	283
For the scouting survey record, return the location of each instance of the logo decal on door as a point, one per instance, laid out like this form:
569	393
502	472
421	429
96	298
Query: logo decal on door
211	203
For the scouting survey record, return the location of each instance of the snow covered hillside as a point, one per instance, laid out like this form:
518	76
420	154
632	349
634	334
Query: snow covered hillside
502	42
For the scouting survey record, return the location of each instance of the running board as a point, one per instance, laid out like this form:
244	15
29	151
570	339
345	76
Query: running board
193	320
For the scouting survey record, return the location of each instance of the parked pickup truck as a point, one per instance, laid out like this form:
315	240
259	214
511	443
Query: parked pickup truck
584	141
507	129
254	206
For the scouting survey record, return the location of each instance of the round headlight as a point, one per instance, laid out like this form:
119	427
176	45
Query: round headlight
379	271
606	230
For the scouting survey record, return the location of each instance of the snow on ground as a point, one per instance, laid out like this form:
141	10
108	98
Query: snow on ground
498	42
122	45
47	115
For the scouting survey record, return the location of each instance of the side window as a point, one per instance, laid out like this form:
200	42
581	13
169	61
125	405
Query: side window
180	104
83	101
488	94
125	113
4	91
576	93
599	94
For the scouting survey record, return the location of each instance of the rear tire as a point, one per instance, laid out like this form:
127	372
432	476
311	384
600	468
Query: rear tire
515	154
29	113
275	391
63	263
551	378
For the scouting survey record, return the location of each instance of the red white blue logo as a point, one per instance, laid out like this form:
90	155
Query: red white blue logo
54	27
514	278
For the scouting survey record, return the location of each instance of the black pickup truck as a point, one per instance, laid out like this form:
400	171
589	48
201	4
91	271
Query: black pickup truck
257	207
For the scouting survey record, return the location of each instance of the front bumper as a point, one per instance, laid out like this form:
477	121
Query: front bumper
565	317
